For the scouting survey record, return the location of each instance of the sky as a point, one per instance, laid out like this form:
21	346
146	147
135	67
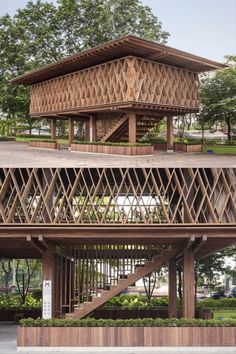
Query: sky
203	27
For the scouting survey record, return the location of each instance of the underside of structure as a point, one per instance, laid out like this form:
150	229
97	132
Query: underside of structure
99	230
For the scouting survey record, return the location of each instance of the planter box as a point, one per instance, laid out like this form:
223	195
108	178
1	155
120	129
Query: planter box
43	145
14	315
160	146
125	337
188	148
113	150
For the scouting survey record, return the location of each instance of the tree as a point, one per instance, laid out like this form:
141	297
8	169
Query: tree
218	98
7	272
42	33
208	270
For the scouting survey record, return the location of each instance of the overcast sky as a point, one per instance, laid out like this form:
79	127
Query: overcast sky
203	27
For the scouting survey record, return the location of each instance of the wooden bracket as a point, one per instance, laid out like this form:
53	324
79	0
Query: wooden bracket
35	244
199	243
47	244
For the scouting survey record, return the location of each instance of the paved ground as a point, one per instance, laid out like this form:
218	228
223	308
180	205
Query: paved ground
8	346
13	154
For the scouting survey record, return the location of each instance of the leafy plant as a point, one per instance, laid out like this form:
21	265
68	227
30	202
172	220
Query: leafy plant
144	322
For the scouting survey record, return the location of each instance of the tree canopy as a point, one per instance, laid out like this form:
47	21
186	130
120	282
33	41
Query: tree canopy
218	98
42	33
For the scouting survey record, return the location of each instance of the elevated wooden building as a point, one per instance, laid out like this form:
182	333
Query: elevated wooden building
99	230
119	89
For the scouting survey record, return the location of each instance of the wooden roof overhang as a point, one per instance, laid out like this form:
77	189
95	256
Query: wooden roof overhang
119	48
25	241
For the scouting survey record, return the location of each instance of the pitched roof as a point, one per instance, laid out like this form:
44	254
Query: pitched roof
118	48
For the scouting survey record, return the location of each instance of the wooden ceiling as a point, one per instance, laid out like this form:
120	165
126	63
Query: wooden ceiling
19	242
119	48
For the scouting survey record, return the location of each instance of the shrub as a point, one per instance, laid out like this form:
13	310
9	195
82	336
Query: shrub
144	322
43	140
108	143
14	302
216	304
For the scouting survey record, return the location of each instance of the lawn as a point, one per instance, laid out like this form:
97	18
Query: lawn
224	149
226	314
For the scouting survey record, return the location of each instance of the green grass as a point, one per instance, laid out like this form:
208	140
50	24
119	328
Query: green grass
226	314
224	149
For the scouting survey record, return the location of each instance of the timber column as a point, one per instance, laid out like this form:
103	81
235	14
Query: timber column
170	134
71	130
53	128
172	300
49	273
132	128
92	129
189	284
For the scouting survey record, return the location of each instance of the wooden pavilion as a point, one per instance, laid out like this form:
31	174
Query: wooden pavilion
99	230
119	90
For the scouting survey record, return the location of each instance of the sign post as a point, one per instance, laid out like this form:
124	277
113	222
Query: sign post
47	299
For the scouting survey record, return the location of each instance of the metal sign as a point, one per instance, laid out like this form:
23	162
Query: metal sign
47	299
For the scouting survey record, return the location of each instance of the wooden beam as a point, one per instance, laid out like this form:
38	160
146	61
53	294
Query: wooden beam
71	130
53	128
172	302
170	134
189	284
35	244
132	128
199	244
47	244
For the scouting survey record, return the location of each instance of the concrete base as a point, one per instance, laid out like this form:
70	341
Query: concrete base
169	151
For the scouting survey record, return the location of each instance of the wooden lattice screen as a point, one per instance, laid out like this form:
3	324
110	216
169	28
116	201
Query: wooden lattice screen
128	79
117	196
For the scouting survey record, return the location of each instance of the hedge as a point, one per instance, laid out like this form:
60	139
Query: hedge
109	143
144	322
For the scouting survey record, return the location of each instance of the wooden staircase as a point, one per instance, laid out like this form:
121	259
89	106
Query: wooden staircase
113	131
119	131
113	290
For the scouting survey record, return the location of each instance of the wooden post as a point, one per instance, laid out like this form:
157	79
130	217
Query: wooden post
71	130
189	284
49	273
92	129
132	128
170	134
53	128
172	302
86	130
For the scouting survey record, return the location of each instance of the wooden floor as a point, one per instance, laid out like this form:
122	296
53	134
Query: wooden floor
14	154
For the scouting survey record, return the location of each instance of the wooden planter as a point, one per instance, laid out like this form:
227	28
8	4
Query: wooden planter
125	336
43	145
160	146
188	148
113	150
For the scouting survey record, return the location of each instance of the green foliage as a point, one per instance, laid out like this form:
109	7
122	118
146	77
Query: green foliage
218	98
43	33
15	302
144	322
109	143
215	304
43	140
131	302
